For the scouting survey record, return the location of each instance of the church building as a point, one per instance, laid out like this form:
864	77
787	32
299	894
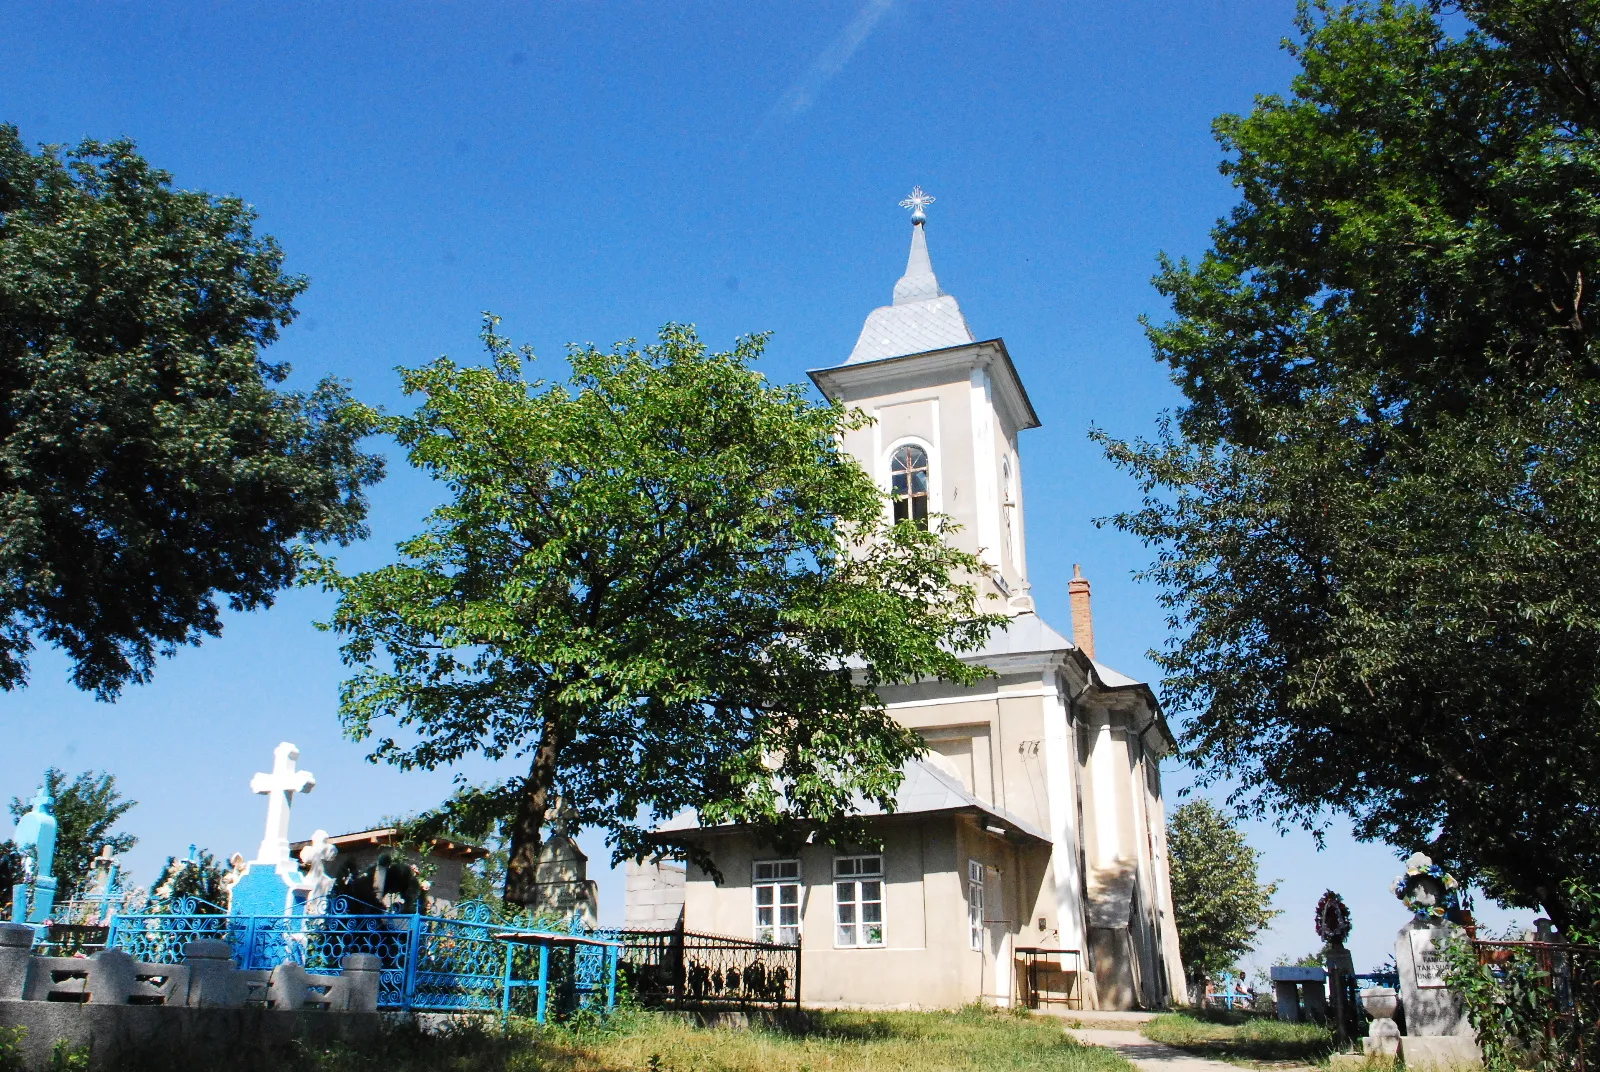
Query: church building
1034	830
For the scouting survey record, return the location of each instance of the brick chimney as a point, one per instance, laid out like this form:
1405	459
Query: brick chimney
1082	615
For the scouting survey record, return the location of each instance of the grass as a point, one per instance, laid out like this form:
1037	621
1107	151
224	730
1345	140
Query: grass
970	1040
1253	1041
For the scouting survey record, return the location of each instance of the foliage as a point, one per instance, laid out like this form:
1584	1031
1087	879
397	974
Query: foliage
65	1057
86	810
11	872
971	1039
1219	905
11	1059
661	586
391	883
484	879
148	463
1232	1036
1531	1011
1375	514
201	878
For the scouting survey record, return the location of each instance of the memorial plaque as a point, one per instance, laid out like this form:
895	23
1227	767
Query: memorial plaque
1427	959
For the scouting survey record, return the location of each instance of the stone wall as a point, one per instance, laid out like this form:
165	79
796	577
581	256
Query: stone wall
204	1012
157	1036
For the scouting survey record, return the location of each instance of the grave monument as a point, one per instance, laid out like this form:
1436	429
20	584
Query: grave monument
33	899
272	884
1437	1033
562	877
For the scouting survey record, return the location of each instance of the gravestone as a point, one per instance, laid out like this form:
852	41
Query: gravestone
562	877
33	900
1438	1034
271	885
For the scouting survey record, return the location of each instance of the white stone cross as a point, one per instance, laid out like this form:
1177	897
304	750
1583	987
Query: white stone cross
279	787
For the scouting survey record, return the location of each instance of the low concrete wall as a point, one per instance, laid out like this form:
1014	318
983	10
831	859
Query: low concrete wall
167	1036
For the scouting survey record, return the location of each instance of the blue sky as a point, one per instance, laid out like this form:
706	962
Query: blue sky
589	171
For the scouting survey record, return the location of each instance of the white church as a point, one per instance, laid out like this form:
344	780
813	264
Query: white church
1033	833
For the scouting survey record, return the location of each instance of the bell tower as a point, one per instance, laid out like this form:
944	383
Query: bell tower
947	409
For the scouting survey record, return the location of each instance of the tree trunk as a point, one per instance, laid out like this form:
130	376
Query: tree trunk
522	869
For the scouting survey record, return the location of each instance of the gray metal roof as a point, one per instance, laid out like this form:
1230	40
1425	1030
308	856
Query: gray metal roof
924	789
923	317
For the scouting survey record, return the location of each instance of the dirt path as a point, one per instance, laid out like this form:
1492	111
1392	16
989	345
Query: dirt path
1150	1056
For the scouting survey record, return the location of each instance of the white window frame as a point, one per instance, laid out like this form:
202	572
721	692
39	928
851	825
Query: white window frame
855	880
975	900
779	881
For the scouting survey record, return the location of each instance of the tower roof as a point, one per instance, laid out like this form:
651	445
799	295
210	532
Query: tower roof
923	317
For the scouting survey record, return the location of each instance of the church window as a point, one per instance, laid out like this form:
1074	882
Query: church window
908	481
858	900
975	902
777	888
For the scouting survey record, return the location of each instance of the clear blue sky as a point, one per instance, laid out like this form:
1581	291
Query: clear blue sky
589	171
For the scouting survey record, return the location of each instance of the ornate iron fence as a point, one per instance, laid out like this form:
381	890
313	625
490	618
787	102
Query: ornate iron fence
428	963
680	968
1547	1002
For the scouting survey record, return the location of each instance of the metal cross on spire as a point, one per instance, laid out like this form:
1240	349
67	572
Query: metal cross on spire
916	203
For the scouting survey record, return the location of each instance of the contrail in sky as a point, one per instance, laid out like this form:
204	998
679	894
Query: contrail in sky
800	96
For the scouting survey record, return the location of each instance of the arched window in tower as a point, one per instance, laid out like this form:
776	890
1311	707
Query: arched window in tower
1008	506
908	471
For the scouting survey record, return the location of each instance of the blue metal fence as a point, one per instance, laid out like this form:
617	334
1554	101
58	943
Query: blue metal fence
429	963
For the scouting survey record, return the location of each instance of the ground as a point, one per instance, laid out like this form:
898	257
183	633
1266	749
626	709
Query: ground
1249	1040
971	1040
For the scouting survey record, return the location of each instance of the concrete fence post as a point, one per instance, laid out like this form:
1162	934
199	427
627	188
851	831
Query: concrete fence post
214	981
360	976
16	951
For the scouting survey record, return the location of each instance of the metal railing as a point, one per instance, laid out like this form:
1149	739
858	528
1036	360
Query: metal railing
1564	981
689	969
428	963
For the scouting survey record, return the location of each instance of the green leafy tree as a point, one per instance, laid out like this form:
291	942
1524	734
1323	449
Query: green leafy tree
148	465
11	872
200	877
660	586
86	810
1376	512
1219	904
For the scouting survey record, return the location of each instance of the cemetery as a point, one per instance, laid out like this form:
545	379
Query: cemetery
287	960
284	959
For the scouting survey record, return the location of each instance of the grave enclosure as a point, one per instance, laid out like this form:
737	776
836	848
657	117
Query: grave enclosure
285	959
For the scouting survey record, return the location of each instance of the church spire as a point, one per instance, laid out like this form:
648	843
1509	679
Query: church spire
923	316
919	282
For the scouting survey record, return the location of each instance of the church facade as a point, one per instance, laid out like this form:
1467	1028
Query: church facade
1035	823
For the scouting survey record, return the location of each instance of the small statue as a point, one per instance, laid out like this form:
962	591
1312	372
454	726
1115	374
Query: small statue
236	870
316	857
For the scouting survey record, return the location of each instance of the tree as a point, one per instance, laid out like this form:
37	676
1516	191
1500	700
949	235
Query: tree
11	872
148	464
1219	905
662	586
86	810
200	877
1375	513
